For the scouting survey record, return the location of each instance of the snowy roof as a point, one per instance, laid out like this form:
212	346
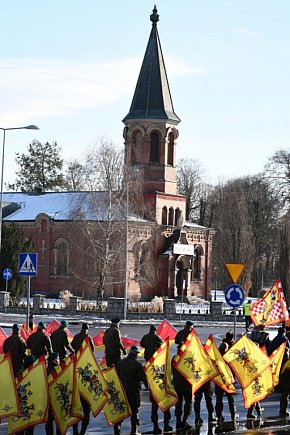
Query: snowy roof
61	206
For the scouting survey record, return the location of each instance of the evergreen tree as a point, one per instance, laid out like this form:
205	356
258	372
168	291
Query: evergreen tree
40	169
13	243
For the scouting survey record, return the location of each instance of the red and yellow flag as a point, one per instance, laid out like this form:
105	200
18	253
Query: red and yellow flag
260	388
225	378
271	308
193	362
61	393
276	359
117	407
247	360
9	404
89	379
32	390
158	374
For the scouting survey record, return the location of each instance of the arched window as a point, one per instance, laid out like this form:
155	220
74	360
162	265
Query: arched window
44	226
61	257
171	216
136	147
170	150
154	147
164	216
196	270
177	222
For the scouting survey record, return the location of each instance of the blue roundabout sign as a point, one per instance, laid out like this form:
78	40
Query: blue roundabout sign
234	295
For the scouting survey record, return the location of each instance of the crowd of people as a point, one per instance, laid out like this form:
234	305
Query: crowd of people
131	372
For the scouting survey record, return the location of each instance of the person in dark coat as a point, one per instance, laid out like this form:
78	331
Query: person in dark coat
113	343
59	340
184	393
151	342
182	335
182	387
76	344
131	373
278	340
229	339
261	337
17	348
52	362
39	342
219	392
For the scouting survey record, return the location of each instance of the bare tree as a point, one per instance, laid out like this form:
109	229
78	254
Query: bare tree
75	176
101	222
277	173
246	230
191	183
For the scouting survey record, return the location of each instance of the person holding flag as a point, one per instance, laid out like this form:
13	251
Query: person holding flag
219	392
76	344
39	342
151	342
59	340
131	373
17	348
52	362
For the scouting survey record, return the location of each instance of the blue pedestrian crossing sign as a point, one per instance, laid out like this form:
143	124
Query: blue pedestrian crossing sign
234	295
7	274
28	264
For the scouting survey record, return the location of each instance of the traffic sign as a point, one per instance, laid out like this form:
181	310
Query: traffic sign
234	295
234	270
7	274
28	264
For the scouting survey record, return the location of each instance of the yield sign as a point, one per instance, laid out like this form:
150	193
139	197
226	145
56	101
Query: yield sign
235	269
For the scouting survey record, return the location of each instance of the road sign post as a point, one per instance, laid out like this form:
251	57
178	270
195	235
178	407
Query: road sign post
28	267
235	296
7	274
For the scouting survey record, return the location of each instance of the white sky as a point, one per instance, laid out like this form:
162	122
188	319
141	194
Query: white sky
71	67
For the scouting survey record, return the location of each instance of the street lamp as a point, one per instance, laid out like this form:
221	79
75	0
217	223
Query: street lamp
27	127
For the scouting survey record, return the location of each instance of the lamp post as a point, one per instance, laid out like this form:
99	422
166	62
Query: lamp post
126	253
27	127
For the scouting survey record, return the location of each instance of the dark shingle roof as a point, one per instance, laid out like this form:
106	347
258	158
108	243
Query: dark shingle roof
152	98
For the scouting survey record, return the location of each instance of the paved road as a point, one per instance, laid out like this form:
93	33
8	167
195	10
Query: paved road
269	423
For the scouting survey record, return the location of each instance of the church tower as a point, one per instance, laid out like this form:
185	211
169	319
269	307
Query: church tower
151	134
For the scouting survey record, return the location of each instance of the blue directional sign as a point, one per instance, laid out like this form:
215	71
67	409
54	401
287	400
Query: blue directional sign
234	295
7	274
28	264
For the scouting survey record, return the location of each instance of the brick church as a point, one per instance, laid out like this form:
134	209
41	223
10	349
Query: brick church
177	252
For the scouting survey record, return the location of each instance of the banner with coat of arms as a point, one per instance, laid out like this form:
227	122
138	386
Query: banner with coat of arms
116	408
61	393
158	374
193	362
89	379
32	390
9	404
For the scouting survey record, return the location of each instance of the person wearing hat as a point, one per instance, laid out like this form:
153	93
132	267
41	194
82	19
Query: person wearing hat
39	342
182	387
59	340
17	348
182	335
219	392
151	342
113	343
76	344
131	373
52	362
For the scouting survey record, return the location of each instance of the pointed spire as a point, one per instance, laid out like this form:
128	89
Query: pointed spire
152	98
